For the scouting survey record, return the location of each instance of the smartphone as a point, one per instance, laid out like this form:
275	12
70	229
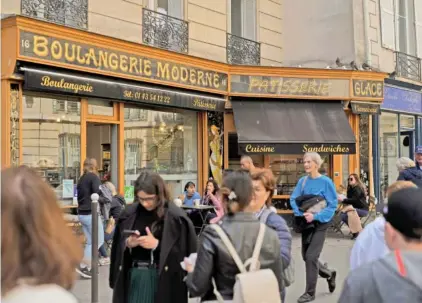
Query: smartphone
129	232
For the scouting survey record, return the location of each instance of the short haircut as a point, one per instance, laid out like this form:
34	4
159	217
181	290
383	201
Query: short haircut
36	243
266	176
247	158
404	162
315	157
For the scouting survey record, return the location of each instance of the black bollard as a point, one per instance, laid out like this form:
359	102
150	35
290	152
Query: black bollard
94	258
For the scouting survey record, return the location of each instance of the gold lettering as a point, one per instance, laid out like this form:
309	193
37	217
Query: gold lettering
192	76
147	68
201	78
113	61
123	63
379	89
304	87
209	79
325	149
263	85
184	74
286	86
66	52
254	83
56	50
259	149
103	61
325	88
91	56
216	81
81	60
274	84
163	71
133	64
75	87
295	87
40	46
175	73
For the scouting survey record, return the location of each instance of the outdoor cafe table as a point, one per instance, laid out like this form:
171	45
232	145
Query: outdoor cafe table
202	213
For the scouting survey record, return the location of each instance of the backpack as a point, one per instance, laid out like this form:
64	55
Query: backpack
289	271
253	286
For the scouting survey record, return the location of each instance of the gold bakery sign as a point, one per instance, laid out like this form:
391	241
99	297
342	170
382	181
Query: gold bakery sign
62	51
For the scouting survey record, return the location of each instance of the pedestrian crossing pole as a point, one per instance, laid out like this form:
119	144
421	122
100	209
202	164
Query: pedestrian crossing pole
94	258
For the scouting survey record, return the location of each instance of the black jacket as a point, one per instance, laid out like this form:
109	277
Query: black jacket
178	241
88	184
413	174
356	197
214	260
118	203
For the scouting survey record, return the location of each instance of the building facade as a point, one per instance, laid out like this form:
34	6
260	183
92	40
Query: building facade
377	35
174	93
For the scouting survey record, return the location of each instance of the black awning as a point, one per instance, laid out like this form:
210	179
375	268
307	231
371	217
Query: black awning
292	127
90	85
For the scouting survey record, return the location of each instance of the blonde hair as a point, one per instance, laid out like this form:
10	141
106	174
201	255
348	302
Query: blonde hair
315	157
90	165
111	187
398	185
404	162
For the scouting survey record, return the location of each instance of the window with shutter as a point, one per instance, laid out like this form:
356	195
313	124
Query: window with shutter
418	23
175	8
249	19
388	31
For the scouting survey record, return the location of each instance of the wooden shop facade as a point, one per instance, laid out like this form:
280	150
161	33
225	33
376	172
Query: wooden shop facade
69	94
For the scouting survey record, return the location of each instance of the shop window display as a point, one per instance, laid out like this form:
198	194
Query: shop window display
51	141
389	149
162	141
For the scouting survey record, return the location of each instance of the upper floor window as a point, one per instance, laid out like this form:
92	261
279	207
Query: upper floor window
172	8
401	26
243	19
72	13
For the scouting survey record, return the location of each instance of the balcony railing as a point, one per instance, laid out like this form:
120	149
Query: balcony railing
408	66
72	13
165	32
243	51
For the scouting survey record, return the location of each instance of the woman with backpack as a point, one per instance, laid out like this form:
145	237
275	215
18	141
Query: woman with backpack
314	202
263	182
226	248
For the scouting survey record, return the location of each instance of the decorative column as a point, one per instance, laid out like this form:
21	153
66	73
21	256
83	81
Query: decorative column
15	104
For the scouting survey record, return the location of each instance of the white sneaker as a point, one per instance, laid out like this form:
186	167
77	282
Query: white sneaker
104	261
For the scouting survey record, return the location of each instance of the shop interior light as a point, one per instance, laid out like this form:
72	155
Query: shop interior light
29	100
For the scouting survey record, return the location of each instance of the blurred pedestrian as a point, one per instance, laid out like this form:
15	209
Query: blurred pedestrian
370	245
408	171
397	277
214	262
263	182
314	202
418	157
246	163
89	183
151	238
39	252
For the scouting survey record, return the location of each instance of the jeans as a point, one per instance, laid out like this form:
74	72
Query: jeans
103	250
312	243
86	222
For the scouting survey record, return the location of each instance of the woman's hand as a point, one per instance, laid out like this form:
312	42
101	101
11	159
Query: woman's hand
188	265
133	240
308	217
148	241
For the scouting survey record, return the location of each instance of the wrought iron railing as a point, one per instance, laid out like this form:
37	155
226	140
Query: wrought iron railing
72	13
163	31
408	66
243	51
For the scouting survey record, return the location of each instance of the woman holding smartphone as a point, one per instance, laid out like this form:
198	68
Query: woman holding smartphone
151	238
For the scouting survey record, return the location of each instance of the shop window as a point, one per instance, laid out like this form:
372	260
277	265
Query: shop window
288	169
51	141
407	136
389	149
166	142
100	107
234	156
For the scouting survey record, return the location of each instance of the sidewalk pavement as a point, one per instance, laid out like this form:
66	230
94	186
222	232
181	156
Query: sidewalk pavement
336	253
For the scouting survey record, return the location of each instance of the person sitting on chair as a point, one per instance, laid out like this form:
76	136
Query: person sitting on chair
355	205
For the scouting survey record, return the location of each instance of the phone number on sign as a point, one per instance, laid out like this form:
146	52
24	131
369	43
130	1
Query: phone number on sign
147	96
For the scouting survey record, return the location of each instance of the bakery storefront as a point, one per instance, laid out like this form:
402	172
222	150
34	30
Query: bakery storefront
275	117
68	95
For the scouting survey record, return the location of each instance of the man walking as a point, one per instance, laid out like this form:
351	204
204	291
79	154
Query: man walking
418	157
397	277
246	164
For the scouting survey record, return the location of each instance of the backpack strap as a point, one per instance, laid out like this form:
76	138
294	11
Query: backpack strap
400	263
230	247
254	261
263	217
